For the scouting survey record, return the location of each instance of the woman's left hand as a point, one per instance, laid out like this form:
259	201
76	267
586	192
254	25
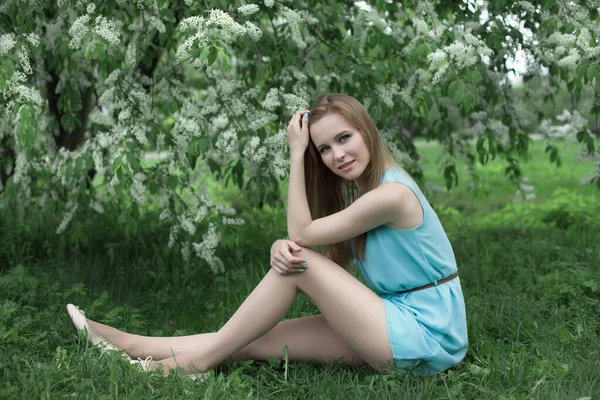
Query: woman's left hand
297	132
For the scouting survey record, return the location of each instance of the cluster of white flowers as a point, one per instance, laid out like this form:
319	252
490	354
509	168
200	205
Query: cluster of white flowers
269	3
71	207
253	31
438	63
91	8
187	225
7	42
32	38
107	29
21	93
78	31
421	27
294	103
225	22
570	61
260	119
461	54
272	101
572	124
156	23
24	60
386	93
293	20
131	54
233	221
206	249
94	205
526	6
248	9
276	148
525	191
499	130
227	141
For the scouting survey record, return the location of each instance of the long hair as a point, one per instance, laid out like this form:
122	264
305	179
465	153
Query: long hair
329	193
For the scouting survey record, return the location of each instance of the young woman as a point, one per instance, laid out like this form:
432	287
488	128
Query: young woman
346	192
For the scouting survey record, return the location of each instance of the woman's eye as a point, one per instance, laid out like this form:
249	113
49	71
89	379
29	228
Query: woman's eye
323	149
345	137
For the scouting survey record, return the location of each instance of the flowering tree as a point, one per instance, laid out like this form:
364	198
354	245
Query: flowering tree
88	88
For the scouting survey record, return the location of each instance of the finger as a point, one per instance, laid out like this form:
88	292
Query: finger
283	268
277	268
288	264
293	246
305	123
295	262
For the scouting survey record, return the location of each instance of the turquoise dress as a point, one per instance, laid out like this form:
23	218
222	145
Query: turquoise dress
427	328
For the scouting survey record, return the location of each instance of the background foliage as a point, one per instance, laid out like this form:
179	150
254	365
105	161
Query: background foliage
126	107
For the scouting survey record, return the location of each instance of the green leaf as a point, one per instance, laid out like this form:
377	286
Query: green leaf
428	99
452	88
100	51
212	56
69	172
133	161
25	115
593	72
8	67
481	152
88	53
458	96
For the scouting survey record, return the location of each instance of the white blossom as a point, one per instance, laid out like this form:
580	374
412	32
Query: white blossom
156	23
78	31
420	25
107	29
71	209
570	61
206	249
7	42
525	5
187	225
32	38
94	205
224	21
131	54
248	9
294	102
233	221
293	21
253	31
269	3
91	8
271	102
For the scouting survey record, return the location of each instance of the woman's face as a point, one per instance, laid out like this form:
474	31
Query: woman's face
342	148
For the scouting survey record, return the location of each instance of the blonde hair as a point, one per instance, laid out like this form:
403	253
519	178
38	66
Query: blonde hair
329	193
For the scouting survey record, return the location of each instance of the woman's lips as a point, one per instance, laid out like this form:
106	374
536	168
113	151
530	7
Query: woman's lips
344	167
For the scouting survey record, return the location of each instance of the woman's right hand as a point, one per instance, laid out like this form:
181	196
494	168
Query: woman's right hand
283	260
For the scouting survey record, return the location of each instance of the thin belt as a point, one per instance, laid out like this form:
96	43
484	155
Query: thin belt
430	284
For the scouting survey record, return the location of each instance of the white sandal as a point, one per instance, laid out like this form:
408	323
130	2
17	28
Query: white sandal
81	325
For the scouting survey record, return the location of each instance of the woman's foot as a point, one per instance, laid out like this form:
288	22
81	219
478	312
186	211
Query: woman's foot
148	364
81	325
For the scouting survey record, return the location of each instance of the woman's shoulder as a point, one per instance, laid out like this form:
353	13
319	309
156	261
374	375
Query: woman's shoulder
396	174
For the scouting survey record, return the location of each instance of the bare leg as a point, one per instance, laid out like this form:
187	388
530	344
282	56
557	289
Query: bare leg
355	314
308	339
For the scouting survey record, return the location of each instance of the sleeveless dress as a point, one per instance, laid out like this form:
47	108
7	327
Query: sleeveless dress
427	329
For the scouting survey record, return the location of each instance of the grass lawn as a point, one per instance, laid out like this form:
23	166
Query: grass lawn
530	275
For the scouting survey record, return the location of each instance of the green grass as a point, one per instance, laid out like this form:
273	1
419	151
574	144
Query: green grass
494	190
530	275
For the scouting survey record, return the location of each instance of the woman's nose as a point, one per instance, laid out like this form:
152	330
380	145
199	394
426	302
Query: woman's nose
339	154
